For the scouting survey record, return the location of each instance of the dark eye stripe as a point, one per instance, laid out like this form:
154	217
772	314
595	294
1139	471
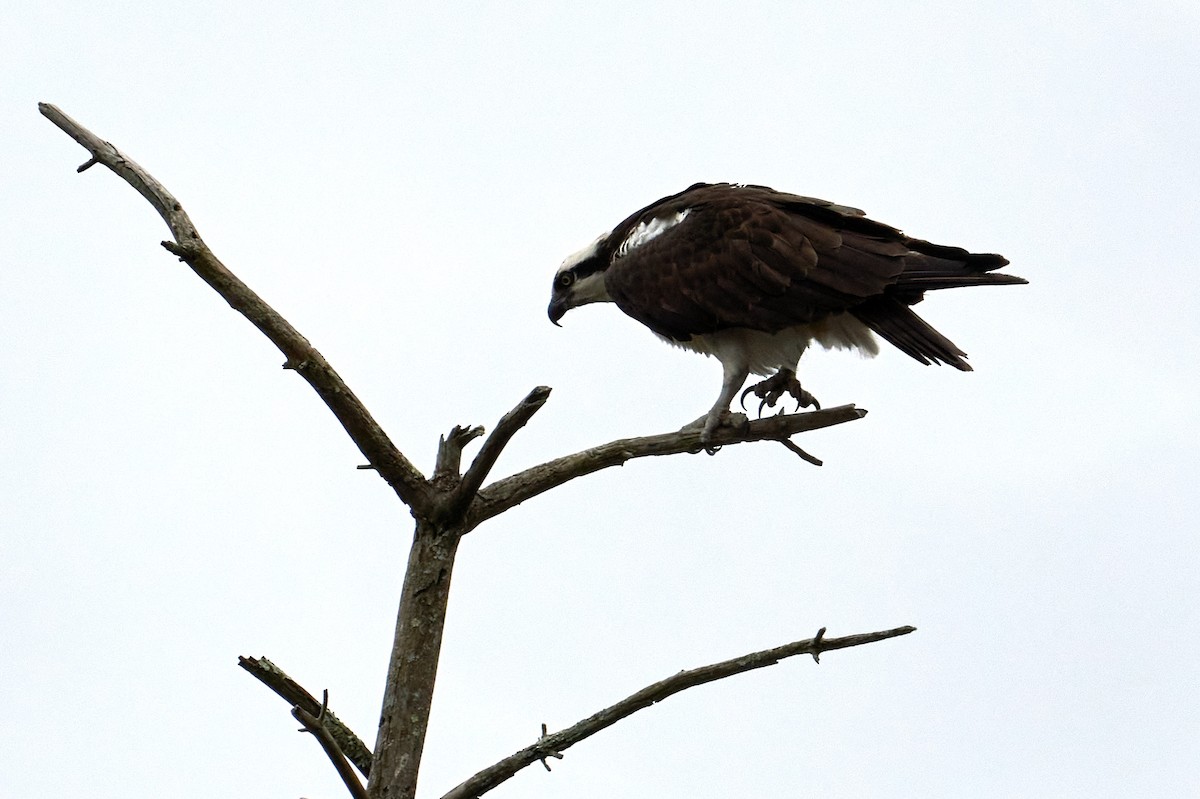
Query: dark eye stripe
589	267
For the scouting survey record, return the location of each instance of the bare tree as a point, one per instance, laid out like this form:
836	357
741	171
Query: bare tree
446	506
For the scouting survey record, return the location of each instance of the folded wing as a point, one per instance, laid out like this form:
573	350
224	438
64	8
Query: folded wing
751	257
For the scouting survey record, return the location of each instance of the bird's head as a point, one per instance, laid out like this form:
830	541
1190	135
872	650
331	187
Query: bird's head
580	279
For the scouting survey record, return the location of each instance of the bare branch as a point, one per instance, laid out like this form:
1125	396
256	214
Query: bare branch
550	745
404	478
510	491
104	153
495	443
315	724
294	694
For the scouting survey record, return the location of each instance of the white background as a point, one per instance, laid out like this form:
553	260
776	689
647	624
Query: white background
400	181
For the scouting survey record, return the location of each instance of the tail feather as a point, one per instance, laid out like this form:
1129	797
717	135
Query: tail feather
930	267
931	281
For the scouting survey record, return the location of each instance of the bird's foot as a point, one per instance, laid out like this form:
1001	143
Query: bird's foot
711	422
782	382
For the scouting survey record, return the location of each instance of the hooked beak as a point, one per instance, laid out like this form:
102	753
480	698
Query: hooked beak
556	310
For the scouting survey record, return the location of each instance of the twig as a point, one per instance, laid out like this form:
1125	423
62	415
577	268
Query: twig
494	775
294	694
548	752
315	724
450	449
406	480
505	493
792	447
817	640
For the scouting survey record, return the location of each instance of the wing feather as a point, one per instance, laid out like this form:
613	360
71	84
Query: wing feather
896	322
741	260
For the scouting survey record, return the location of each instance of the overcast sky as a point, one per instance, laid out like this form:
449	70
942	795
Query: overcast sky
401	181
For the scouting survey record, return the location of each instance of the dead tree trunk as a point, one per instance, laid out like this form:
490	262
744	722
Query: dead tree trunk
408	692
446	507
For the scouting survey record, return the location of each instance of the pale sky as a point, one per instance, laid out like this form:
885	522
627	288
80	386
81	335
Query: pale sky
401	181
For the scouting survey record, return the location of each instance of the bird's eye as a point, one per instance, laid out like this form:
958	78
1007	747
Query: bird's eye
566	279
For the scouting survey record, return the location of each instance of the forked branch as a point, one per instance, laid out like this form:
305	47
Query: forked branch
315	724
553	744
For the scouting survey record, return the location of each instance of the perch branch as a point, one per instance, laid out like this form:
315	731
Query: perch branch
315	725
404	478
550	745
510	491
294	694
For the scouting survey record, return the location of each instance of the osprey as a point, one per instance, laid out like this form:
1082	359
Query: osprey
752	276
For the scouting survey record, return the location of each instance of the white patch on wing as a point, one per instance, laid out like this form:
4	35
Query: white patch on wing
651	229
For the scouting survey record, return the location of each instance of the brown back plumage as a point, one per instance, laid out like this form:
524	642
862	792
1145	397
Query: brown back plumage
752	257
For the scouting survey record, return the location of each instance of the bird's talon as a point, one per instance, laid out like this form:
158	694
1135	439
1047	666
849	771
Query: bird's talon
744	393
771	390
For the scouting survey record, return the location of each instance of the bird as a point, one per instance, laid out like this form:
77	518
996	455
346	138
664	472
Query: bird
753	276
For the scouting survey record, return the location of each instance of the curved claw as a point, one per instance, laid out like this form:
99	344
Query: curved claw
743	400
772	390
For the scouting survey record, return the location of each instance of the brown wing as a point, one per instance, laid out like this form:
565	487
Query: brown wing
750	257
